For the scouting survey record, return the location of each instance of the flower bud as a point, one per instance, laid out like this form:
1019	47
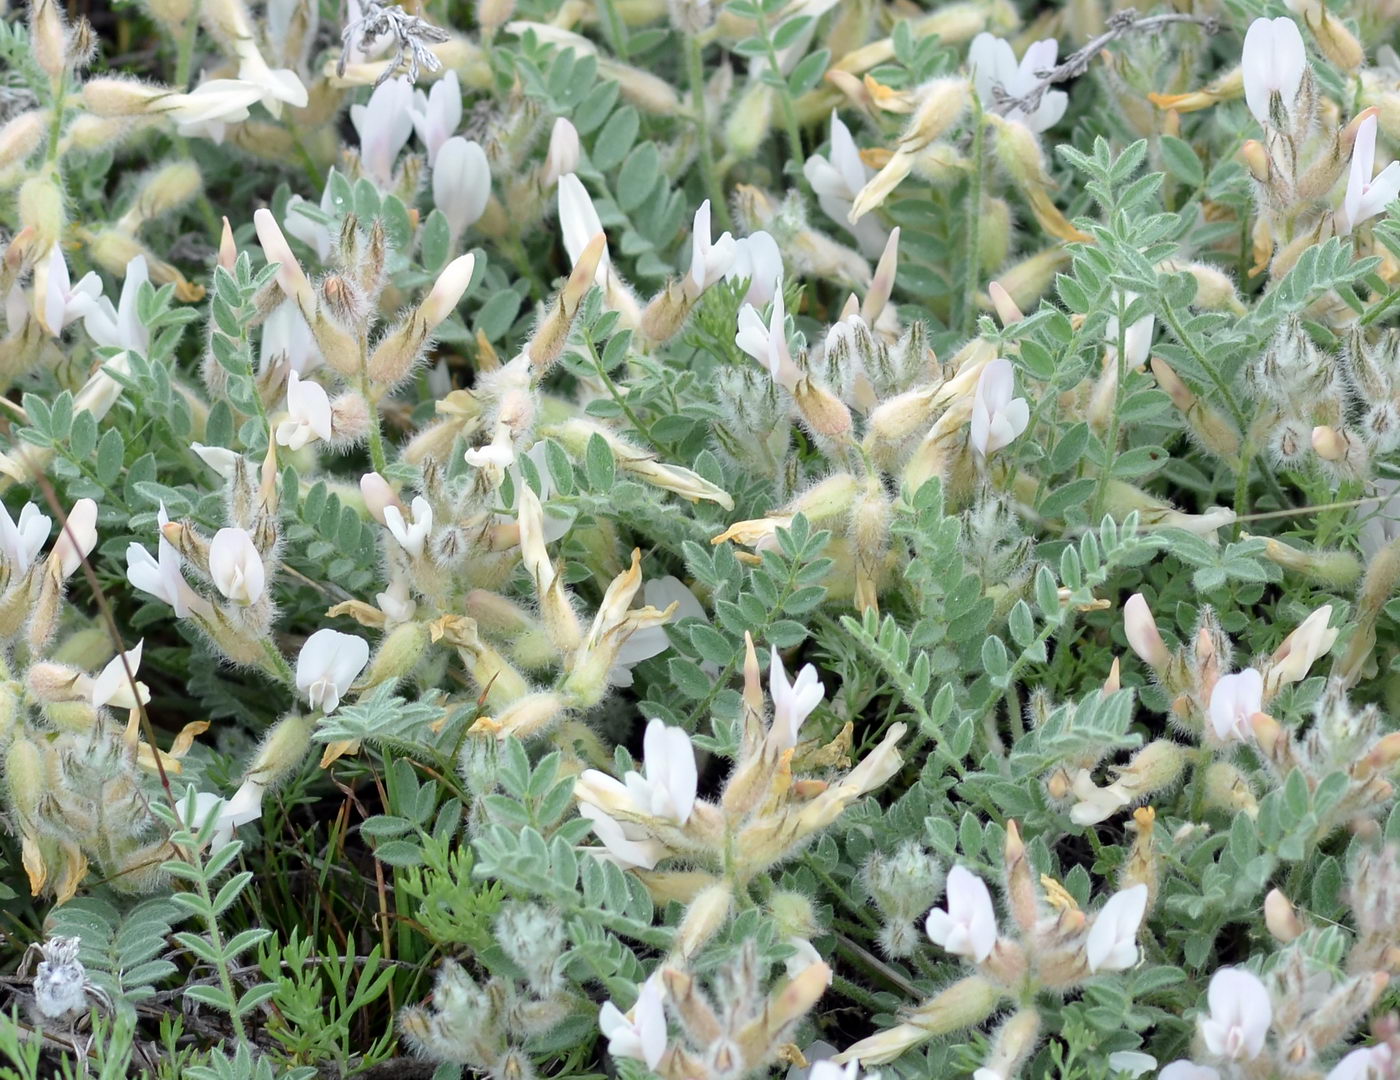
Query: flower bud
1280	917
22	136
282	751
1141	631
48	38
531	715
398	654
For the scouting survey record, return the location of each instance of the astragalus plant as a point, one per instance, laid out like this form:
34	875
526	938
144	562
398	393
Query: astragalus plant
779	538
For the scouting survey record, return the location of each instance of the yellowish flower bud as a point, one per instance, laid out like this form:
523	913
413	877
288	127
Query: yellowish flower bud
1281	918
22	136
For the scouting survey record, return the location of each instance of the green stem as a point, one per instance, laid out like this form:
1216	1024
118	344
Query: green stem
779	85
1110	446
696	72
616	395
216	939
972	258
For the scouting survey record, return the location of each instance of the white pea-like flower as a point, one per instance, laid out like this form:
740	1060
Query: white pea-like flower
579	224
837	180
1239	1017
21	542
1368	193
243	806
308	413
461	183
58	301
286	334
793	701
437	113
1112	941
236	567
757	260
1273	63
161	576
993	64
120	327
998	416
968	925
767	342
411	535
383	126
562	156
641	1033
76	538
1365	1063
709	260
112	686
328	665
1233	700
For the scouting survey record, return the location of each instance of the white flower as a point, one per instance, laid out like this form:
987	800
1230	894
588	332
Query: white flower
1234	699
1301	649
437	113
1240	1015
836	183
244	806
383	127
666	786
491	456
236	567
1112	941
111	686
1095	803
648	641
993	64
314	234
461	183
1367	194
969	925
758	261
308	413
629	845
285	333
219	459
160	577
76	538
709	261
1137	339
1187	1070
579	224
397	603
767	343
121	327
792	702
1273	62
21	543
209	106
59	302
643	1036
1363	1063
997	415
328	664
1131	1062
276	87
411	536
563	154
664	789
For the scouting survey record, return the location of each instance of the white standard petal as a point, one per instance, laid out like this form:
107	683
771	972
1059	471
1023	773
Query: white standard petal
1112	941
236	567
327	666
